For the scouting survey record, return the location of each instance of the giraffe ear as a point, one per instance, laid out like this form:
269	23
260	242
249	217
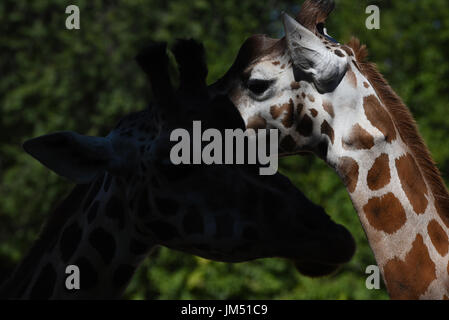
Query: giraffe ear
311	57
74	156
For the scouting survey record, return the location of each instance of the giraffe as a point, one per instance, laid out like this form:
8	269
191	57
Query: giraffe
325	98
130	198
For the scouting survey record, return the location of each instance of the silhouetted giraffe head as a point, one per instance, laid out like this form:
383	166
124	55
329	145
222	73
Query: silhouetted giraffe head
131	197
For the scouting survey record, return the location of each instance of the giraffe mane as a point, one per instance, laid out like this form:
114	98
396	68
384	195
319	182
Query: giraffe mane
406	126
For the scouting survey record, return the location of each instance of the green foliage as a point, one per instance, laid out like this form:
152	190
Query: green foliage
85	80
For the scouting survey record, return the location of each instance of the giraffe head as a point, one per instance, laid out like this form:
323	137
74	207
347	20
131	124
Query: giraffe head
221	212
325	98
304	84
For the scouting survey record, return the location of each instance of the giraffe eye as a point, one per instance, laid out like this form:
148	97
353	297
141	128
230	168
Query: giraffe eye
258	86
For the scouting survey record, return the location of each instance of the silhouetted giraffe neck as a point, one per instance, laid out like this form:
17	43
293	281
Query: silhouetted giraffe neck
97	234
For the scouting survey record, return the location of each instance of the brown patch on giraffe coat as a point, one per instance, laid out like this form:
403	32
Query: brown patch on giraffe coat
303	95
412	183
379	174
327	106
379	117
256	122
313	112
339	53
283	66
365	84
349	171
409	279
358	139
276	111
439	237
276	63
351	77
385	213
295	85
327	130
287	121
311	98
305	126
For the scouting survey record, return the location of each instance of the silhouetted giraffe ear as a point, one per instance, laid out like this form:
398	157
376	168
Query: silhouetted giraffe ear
191	59
154	62
76	157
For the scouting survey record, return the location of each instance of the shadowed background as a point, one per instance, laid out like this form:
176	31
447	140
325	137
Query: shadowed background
85	80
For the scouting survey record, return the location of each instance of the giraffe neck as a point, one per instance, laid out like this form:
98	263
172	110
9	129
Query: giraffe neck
92	229
397	211
394	187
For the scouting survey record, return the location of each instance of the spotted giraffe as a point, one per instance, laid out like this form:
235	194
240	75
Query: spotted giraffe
325	98
131	198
